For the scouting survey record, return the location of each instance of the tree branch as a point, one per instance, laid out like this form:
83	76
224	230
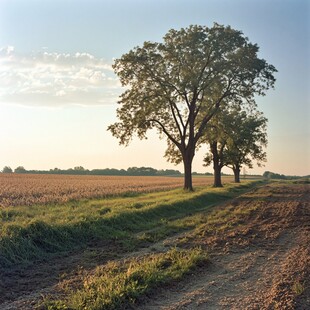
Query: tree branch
172	106
166	132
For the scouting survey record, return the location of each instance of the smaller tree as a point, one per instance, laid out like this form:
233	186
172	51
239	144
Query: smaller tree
216	138
236	138
79	168
216	157
55	170
7	169
247	140
20	169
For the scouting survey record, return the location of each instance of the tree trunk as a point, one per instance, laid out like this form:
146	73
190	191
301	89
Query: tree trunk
187	161
188	183
217	176
236	170
216	165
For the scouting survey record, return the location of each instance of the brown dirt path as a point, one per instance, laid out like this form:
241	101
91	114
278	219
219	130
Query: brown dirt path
260	264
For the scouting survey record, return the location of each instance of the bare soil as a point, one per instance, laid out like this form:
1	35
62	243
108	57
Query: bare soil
260	261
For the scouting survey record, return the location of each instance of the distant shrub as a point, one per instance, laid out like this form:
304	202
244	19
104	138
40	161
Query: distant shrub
7	169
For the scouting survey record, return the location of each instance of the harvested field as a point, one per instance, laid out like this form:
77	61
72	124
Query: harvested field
29	189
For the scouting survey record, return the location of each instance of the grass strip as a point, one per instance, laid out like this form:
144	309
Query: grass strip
75	228
119	284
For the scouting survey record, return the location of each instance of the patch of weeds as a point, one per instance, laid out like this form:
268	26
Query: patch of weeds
129	244
121	283
7	215
302	181
223	219
298	288
156	234
104	211
95	204
136	205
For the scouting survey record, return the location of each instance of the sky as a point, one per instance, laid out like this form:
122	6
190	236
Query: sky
58	91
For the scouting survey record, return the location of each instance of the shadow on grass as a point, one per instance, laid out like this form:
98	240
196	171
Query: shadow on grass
39	239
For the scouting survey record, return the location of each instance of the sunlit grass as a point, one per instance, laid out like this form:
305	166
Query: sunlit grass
30	233
120	283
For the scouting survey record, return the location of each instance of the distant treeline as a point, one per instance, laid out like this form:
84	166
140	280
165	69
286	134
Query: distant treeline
272	175
132	171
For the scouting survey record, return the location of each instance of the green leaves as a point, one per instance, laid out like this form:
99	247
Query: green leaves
240	137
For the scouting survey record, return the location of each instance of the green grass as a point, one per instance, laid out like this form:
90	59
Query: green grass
117	284
298	288
31	233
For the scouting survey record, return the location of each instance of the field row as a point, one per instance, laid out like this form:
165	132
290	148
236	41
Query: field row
29	189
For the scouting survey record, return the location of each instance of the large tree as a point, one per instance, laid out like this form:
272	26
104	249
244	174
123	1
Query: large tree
178	85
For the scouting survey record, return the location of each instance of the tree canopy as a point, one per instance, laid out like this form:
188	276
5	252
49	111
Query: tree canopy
216	137
248	138
19	169
178	85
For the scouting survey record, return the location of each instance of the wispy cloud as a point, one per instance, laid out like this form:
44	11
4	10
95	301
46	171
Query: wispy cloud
55	79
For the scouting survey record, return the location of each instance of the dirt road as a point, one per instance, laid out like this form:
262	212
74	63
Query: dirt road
261	263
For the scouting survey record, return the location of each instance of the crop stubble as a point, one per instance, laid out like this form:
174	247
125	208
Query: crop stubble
30	189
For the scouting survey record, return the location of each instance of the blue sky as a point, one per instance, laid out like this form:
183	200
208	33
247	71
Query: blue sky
58	91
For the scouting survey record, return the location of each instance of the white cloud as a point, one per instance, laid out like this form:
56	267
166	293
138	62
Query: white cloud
57	79
6	51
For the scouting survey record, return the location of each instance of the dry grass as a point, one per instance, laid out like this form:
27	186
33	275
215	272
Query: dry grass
30	189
